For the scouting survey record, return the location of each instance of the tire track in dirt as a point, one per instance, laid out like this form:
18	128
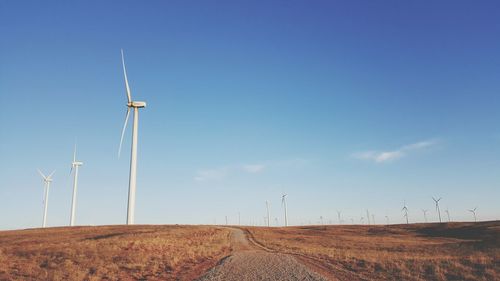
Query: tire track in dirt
251	261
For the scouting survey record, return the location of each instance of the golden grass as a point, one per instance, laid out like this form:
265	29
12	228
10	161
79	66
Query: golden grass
111	252
456	251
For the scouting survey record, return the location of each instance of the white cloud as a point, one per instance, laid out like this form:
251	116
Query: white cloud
388	156
253	168
211	174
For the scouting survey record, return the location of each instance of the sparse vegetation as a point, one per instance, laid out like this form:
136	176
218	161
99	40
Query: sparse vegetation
111	252
454	251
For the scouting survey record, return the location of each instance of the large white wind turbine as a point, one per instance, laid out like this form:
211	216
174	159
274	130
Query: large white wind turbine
135	105
47	180
437	207
74	165
283	202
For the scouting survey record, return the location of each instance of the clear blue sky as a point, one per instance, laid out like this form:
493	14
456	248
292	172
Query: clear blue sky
348	106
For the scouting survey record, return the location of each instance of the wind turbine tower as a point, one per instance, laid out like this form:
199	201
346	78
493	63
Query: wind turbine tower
367	216
339	213
387	219
473	211
268	214
134	105
47	180
425	214
283	202
448	214
74	165
437	207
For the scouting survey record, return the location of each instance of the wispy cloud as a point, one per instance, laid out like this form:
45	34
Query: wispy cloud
388	156
253	168
220	173
211	174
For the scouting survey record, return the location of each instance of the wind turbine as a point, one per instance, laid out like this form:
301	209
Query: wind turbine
135	105
437	207
321	219
268	215
448	214
425	214
373	219
368	216
473	211
387	219
74	165
283	202
47	180
405	209
339	213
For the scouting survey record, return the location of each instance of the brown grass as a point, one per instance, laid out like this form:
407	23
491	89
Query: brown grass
454	251
111	252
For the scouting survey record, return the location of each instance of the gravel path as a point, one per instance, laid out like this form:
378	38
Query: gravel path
249	263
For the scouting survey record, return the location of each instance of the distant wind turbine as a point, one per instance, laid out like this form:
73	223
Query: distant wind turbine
321	219
387	219
74	165
473	211
405	209
437	207
448	214
283	202
268	214
339	213
276	221
361	220
47	180
373	219
367	216
135	105
425	214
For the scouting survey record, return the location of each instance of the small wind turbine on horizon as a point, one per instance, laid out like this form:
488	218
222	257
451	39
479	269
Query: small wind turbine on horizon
339	213
283	203
47	180
387	219
268	214
437	207
135	105
405	209
74	165
373	219
425	214
473	211
367	216
321	219
448	214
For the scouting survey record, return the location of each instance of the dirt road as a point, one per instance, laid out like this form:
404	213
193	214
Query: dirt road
251	262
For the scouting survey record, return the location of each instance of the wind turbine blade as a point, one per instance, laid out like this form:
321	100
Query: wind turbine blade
126	80
51	174
74	154
123	131
41	174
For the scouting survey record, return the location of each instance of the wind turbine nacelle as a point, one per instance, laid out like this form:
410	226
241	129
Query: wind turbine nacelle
77	163
138	104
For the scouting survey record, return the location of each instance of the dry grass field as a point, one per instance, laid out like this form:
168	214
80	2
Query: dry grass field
111	252
451	251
